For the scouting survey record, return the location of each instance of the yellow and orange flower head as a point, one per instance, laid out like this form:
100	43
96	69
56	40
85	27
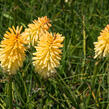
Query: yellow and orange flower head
36	29
102	46
12	50
48	54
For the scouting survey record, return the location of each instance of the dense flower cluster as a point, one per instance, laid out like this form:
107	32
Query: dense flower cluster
12	50
102	46
48	48
48	54
36	29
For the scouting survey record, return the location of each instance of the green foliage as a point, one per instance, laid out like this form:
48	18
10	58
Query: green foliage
81	81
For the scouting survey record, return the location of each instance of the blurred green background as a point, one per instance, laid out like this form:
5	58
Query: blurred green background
81	81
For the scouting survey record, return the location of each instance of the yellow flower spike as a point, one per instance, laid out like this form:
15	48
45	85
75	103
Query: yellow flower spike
36	29
12	50
102	46
48	54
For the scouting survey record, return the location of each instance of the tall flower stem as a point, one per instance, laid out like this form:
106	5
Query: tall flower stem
84	44
10	92
108	83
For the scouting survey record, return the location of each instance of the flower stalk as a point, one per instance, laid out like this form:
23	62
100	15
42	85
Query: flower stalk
84	46
10	92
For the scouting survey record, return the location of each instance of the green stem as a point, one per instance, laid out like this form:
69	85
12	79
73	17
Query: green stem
108	80
92	84
84	45
94	75
84	39
108	83
10	92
